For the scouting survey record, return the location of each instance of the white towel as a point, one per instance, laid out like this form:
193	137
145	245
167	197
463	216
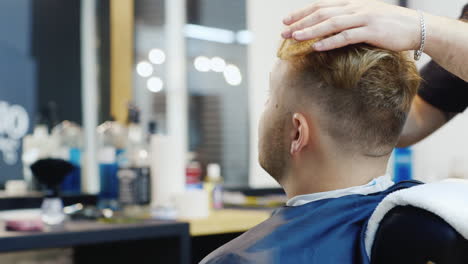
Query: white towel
448	199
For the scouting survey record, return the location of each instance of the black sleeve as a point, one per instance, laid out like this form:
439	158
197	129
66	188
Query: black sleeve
442	89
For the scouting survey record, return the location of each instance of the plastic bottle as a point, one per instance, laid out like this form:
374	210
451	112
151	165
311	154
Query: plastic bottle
70	140
111	139
35	147
213	186
134	175
402	165
193	174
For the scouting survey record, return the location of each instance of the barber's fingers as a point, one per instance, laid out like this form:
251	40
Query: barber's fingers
315	18
347	37
330	26
300	14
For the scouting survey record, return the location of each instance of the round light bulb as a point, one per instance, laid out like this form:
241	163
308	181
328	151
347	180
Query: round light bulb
157	56
202	64
217	64
144	69
155	84
233	75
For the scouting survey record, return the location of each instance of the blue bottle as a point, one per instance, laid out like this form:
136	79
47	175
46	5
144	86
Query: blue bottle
69	137
403	169
110	139
108	181
72	182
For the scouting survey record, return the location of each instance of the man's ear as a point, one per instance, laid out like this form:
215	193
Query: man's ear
300	134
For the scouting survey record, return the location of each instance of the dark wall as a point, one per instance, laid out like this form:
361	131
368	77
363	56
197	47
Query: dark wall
40	62
56	48
103	31
15	25
17	84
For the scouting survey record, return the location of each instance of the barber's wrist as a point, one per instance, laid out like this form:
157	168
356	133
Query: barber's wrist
434	38
415	22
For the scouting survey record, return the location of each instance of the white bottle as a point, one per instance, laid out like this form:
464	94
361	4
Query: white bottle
213	185
35	147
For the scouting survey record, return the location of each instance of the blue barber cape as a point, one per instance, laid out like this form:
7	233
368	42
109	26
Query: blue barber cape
320	232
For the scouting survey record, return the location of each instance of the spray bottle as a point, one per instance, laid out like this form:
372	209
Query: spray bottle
213	186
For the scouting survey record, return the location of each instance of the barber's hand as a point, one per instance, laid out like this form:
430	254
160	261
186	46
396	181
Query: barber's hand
355	21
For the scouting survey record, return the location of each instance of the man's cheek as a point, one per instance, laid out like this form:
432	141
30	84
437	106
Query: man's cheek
262	128
261	123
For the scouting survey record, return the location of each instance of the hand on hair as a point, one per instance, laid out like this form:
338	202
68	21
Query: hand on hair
355	21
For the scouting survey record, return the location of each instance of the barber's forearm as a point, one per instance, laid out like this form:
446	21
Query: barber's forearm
447	44
423	120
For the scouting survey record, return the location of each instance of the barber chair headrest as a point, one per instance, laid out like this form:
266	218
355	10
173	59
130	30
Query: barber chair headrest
410	235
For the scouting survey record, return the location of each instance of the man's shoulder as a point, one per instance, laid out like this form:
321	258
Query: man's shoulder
306	223
223	257
224	254
234	251
238	249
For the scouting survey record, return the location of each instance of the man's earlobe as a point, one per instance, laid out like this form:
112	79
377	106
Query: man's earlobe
301	133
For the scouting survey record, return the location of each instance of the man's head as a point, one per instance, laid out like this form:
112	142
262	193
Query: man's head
349	102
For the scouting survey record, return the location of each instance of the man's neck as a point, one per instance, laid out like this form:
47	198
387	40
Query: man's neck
316	175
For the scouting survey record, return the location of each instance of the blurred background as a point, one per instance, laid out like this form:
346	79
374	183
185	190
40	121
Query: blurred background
128	90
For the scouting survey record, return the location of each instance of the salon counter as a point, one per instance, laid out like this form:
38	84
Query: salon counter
34	200
95	242
184	241
227	221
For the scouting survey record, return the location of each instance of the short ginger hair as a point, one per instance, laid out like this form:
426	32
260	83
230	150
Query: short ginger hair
364	92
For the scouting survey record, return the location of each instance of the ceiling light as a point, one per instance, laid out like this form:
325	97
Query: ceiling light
244	37
210	34
157	56
144	69
202	64
155	84
217	64
233	75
